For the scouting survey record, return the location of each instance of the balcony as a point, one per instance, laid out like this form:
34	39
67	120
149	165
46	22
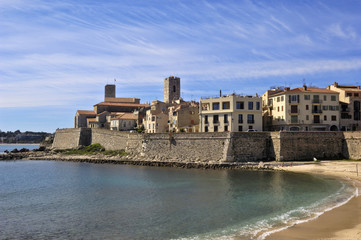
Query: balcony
345	110
317	121
317	101
316	111
294	111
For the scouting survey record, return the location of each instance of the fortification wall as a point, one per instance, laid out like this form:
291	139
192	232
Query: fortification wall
250	146
71	138
352	145
219	147
199	147
307	145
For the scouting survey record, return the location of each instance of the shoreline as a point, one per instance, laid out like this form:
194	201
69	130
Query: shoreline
342	222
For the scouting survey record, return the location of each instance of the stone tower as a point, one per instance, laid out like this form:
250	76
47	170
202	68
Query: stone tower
171	89
109	91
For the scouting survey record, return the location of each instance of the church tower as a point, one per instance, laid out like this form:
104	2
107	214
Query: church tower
109	91
171	89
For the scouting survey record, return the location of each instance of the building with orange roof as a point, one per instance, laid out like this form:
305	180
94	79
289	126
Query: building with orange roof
101	115
350	99
304	109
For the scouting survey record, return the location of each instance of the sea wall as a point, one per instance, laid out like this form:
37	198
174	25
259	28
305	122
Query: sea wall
219	147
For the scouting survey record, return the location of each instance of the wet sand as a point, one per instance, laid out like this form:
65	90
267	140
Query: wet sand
343	222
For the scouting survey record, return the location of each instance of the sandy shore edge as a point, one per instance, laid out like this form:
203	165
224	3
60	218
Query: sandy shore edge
343	222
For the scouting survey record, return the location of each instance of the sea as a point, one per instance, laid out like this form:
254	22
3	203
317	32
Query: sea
70	200
10	147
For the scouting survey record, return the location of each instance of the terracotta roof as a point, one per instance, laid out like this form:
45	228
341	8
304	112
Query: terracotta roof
92	120
309	90
121	104
125	116
86	112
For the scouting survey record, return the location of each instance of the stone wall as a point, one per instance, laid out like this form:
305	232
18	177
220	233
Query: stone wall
219	147
71	138
352	145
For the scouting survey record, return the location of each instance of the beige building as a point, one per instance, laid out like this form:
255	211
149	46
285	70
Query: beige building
304	109
102	114
184	116
122	121
350	99
231	113
156	118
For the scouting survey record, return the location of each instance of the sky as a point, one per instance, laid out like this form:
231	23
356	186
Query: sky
57	56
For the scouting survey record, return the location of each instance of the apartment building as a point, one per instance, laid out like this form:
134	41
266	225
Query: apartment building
305	109
350	99
231	113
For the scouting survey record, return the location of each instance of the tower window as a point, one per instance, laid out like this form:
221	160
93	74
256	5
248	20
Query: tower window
174	89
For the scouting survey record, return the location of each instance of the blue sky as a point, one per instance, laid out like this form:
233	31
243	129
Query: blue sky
56	56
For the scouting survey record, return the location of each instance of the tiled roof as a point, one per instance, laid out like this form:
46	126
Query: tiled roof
125	116
86	112
121	104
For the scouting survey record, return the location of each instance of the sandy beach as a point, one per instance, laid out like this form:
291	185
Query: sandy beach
343	222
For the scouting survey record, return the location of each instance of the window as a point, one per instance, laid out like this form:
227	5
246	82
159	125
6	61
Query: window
349	94
278	109
250	118
153	119
316	99
333	108
294	119
250	105
325	108
226	128
333	98
258	105
333	118
225	105
294	98
307	97
215	106
225	118
240	118
250	127
294	109
205	129
306	107
282	109
206	119
240	128
215	119
307	117
278	99
216	128
325	118
240	105
356	94
324	98
282	98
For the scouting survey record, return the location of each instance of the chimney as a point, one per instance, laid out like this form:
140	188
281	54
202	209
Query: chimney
286	89
220	93
304	87
336	84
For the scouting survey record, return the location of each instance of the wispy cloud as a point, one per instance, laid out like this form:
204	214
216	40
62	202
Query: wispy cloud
60	53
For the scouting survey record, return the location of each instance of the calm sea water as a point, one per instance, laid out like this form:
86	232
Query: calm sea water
10	147
62	200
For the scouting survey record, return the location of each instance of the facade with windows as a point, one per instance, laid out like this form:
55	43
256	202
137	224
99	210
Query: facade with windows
350	102
231	113
305	109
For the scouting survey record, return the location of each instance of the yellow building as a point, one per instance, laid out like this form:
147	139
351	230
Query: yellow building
231	113
184	116
350	99
304	109
156	118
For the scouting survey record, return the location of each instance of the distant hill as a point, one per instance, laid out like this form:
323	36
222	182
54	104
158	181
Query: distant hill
23	137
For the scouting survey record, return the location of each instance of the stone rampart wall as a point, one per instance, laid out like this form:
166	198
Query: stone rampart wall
67	138
219	147
309	145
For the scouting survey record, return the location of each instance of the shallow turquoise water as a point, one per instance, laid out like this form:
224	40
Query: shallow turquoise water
62	200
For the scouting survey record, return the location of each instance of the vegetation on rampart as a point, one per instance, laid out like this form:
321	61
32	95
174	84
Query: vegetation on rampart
91	150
